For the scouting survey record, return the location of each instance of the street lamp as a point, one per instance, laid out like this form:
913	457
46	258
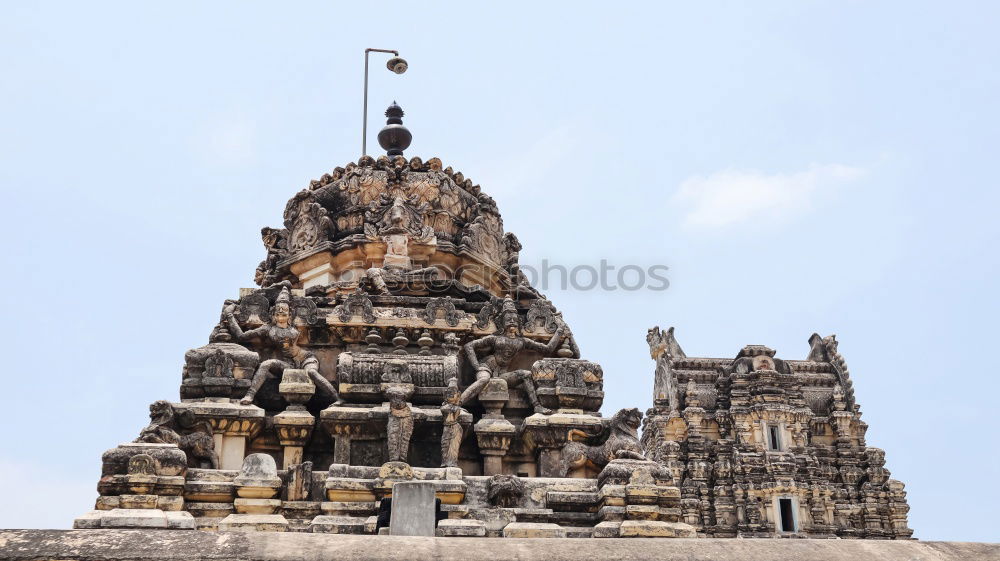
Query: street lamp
395	64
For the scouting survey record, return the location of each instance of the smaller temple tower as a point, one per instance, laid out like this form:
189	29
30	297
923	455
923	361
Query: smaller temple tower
762	446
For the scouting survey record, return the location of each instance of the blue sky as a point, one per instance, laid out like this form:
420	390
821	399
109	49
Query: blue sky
800	166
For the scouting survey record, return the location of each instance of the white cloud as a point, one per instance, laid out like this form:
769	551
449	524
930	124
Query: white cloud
728	198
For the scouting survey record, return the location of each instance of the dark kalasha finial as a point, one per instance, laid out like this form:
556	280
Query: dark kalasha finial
394	137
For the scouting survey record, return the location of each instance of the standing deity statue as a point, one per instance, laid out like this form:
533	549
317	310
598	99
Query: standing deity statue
281	335
400	424
451	433
504	347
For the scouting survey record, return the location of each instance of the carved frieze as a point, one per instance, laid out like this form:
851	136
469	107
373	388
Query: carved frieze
424	371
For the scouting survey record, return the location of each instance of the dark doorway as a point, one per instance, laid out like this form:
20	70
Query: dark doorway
773	442
785	514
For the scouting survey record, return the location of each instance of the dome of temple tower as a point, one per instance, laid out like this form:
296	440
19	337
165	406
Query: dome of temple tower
347	220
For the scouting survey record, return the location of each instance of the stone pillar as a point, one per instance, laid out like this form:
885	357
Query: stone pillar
294	430
493	431
342	449
232	425
549	433
344	424
294	424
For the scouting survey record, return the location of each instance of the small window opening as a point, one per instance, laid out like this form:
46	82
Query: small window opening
785	514
522	474
773	438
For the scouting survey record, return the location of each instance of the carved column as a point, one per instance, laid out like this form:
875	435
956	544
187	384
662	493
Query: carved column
232	425
548	433
294	425
493	431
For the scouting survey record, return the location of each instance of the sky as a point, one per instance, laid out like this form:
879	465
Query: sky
799	166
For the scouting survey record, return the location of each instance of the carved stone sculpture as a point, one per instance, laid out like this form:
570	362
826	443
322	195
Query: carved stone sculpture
397	222
283	336
197	443
503	348
451	433
400	425
620	440
276	244
505	490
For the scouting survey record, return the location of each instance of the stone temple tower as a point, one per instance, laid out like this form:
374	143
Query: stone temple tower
393	338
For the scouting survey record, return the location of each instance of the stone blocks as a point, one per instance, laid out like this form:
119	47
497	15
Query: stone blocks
460	528
533	530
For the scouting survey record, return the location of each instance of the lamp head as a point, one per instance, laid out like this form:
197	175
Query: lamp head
397	65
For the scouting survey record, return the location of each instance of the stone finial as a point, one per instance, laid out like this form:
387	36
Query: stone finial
394	137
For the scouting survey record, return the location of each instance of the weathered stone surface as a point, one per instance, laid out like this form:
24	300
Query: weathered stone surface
147	545
654	529
460	528
579	531
257	506
169	458
253	523
214	510
413	509
258	479
140	518
348	508
338	525
533	530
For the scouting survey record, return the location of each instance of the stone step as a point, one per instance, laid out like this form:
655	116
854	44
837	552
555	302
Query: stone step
338	525
460	528
253	523
533	530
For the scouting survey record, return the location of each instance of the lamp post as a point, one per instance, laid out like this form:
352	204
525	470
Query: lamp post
395	64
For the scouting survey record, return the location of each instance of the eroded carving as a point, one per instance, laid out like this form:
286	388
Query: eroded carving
280	338
165	427
502	349
619	439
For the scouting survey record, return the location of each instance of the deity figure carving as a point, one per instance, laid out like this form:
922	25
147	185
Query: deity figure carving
451	433
278	334
400	424
396	222
504	347
163	427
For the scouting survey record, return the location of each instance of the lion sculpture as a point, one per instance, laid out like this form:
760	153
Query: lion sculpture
505	490
618	439
197	443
